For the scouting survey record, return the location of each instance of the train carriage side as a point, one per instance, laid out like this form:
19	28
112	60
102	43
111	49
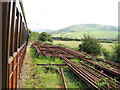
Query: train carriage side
14	36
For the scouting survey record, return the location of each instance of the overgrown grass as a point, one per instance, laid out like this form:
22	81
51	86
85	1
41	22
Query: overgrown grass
43	76
48	42
73	81
47	60
44	59
77	60
48	77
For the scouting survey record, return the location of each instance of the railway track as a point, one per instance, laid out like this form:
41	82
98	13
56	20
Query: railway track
93	77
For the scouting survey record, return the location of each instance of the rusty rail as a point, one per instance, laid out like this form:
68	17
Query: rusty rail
63	52
88	74
113	70
63	77
90	77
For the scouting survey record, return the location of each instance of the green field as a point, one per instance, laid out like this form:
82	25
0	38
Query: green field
75	44
96	34
72	44
95	30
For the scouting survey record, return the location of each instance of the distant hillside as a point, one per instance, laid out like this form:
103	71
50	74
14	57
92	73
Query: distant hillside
43	30
96	30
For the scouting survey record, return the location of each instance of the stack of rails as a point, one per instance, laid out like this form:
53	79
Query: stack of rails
51	50
82	69
109	62
113	69
56	51
92	76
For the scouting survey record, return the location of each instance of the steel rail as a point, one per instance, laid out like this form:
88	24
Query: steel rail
90	77
63	78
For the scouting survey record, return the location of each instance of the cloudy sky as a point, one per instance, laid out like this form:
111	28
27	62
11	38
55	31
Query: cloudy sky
57	14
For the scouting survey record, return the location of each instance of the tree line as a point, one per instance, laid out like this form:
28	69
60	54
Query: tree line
102	40
35	36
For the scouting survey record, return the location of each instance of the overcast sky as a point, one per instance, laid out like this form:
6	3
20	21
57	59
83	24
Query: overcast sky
57	14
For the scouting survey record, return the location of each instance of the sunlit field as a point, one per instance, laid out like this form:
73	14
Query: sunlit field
75	44
72	44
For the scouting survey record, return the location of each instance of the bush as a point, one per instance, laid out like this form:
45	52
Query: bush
90	45
116	53
45	37
113	55
34	36
106	54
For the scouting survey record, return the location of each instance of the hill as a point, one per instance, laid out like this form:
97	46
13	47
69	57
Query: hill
96	30
43	30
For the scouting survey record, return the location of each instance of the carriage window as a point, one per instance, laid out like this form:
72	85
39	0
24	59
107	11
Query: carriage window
16	31
23	34
12	30
20	32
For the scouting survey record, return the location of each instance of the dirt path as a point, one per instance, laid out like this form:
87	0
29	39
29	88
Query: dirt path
26	69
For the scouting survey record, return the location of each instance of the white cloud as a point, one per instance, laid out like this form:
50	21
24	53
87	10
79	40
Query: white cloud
56	14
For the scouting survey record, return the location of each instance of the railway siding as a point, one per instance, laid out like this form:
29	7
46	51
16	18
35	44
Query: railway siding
93	77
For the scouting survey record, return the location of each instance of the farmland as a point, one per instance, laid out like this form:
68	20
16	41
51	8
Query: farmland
75	44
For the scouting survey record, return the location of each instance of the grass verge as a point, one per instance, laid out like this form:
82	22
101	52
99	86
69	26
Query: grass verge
43	76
